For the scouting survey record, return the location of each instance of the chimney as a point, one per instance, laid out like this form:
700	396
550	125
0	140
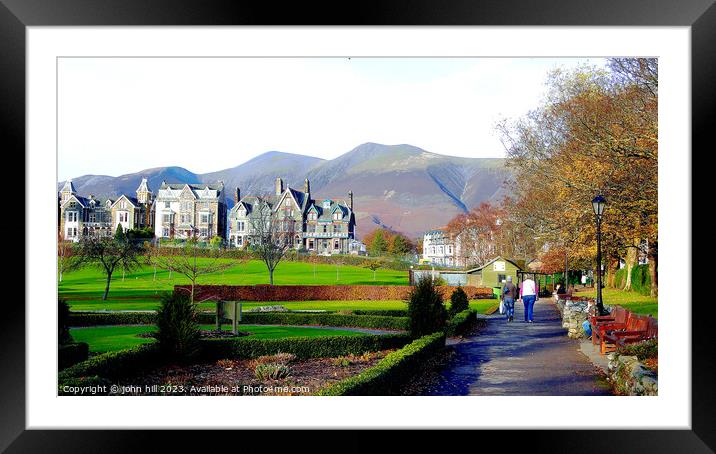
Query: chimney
306	186
350	197
237	195
279	186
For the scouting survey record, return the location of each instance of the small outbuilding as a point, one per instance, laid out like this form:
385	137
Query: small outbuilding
494	273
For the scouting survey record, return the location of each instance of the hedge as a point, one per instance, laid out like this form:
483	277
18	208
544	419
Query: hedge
112	318
461	322
127	363
385	313
325	319
302	347
640	279
71	354
253	318
113	365
386	377
265	292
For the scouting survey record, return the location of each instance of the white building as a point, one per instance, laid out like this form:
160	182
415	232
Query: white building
190	211
439	248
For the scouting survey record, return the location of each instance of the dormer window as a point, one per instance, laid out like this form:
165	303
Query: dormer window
337	215
326	204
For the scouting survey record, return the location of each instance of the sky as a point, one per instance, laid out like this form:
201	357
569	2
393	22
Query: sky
123	115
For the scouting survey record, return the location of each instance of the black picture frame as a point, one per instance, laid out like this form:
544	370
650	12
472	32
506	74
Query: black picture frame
16	15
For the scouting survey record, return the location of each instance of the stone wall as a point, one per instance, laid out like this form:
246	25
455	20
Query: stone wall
630	377
574	313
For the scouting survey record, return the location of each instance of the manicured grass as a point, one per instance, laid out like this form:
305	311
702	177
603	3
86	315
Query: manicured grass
632	301
103	339
88	283
482	306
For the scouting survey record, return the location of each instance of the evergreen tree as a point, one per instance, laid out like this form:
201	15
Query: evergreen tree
379	245
426	310
400	245
119	233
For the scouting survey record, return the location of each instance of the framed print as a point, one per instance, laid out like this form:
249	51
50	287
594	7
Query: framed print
461	216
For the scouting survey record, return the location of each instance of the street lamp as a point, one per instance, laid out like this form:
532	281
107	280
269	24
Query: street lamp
598	204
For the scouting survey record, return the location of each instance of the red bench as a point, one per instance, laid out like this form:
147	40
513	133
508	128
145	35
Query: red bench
601	323
636	330
622	339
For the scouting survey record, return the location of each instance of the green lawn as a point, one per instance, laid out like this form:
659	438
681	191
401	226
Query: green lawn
88	283
482	306
103	339
632	301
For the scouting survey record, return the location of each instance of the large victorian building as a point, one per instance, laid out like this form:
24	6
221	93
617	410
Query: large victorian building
319	226
185	211
89	216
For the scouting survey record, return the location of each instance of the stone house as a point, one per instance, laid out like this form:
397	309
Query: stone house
186	211
440	248
323	227
89	216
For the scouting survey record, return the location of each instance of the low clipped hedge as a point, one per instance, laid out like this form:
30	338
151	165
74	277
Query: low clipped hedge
112	318
114	365
325	319
302	347
461	322
386	377
127	363
71	354
255	318
386	312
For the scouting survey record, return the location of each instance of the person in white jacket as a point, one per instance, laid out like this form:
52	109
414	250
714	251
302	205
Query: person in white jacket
529	294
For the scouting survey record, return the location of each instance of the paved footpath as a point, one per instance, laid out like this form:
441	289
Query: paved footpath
520	359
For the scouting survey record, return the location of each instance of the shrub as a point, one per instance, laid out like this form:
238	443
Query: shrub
302	347
71	354
642	350
391	372
272	371
458	301
63	322
383	313
283	358
461	322
426	311
177	328
640	279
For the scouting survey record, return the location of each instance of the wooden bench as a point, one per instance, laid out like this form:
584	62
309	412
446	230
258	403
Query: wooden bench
601	323
623	339
636	330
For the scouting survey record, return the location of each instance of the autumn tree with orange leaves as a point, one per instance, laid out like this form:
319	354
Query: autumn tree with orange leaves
596	132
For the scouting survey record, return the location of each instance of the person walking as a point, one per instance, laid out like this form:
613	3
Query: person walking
529	294
508	296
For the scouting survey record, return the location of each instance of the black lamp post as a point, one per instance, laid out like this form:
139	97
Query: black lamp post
598	204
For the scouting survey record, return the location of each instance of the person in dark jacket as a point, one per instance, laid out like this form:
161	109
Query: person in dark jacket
508	296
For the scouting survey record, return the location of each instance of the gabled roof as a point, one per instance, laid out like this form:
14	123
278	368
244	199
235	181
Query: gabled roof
143	186
492	261
132	200
81	200
69	187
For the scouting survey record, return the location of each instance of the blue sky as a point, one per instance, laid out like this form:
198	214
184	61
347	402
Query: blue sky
211	114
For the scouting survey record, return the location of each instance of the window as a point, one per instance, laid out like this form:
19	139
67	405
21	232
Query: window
501	278
71	216
204	232
92	217
325	229
239	240
167	204
166	218
73	204
165	232
241	226
312	216
336	244
123	204
310	244
326	204
287	203
204	218
337	215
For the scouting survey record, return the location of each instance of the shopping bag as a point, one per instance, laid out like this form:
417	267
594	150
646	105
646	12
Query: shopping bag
502	307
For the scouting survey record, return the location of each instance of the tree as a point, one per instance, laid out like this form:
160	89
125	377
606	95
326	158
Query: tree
108	254
373	265
216	242
119	233
270	238
64	255
63	322
188	262
379	245
426	311
595	133
400	245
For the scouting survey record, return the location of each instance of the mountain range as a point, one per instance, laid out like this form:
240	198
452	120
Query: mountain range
400	187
